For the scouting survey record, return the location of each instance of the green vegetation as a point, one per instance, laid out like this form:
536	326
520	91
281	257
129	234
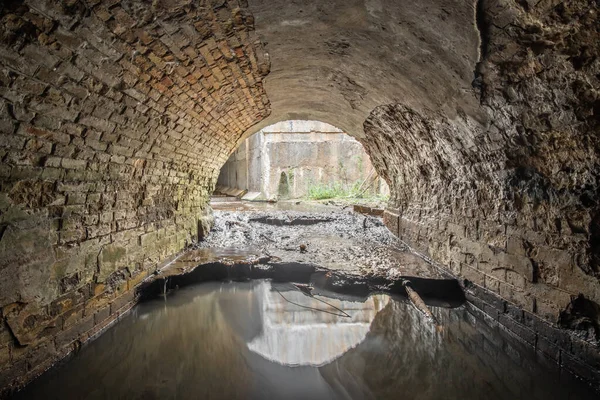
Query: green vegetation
338	190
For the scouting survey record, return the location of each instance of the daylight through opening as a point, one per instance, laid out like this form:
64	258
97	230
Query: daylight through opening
301	160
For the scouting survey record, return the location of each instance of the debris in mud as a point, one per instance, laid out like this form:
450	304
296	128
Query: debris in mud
337	240
583	317
419	304
336	256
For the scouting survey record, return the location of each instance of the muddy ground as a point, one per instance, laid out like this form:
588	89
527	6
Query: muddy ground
327	236
330	250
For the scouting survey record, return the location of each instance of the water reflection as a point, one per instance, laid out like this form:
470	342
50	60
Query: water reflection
249	341
302	330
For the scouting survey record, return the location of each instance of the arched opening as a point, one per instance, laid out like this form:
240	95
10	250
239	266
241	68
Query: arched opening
301	160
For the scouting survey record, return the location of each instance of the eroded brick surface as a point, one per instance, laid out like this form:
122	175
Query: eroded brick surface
507	204
115	119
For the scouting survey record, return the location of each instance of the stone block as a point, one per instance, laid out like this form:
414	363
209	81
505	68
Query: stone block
473	275
515	312
66	302
579	368
29	323
72	316
136	280
515	279
97	302
52	173
112	257
75	198
102	315
521	298
548	348
586	352
98	123
468	246
69	163
122	301
492	284
12	141
519	264
75	332
456	229
148	239
516	245
518	329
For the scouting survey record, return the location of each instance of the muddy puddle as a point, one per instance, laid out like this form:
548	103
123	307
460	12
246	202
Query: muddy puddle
265	340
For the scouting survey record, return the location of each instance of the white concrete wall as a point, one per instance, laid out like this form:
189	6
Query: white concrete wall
307	153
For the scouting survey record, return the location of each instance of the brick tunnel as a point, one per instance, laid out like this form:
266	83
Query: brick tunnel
116	117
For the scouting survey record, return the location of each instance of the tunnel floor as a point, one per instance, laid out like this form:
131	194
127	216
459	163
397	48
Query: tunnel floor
330	236
260	339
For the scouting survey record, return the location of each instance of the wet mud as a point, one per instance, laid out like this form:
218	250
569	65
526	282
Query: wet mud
338	239
338	252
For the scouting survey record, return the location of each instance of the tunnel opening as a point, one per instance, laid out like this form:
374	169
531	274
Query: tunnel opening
301	160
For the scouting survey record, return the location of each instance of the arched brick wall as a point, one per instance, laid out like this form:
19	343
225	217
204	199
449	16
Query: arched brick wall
115	120
115	117
509	204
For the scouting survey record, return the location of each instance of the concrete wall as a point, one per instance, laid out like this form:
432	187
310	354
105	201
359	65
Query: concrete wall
286	159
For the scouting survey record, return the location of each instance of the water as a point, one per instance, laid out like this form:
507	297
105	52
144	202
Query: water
259	340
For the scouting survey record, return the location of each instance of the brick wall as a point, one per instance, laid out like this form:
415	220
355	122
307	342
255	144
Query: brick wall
115	119
508	204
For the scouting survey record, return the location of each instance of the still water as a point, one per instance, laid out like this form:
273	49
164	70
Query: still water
260	340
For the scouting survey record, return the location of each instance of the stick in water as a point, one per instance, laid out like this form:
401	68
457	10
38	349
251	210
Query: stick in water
419	303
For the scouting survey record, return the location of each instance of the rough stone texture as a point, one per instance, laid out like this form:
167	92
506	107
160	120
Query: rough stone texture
336	60
116	117
510	204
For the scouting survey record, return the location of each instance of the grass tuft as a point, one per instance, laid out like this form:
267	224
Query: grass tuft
337	190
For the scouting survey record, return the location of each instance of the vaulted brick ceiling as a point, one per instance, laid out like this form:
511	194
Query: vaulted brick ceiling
336	61
116	117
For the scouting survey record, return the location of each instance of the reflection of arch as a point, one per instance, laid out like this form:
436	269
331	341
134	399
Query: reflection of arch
294	335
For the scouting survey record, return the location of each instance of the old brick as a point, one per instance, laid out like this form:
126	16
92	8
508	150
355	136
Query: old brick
98	123
70	163
101	315
69	335
111	258
521	265
518	329
122	301
72	316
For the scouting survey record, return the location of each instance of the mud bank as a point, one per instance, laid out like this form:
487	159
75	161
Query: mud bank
338	253
336	239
